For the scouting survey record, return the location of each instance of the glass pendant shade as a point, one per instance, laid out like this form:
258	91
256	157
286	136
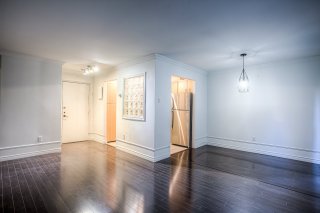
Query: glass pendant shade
243	80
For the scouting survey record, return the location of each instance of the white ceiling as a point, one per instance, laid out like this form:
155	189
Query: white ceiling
207	34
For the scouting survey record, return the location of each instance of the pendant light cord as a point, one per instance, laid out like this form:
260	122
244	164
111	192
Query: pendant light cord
243	62
243	80
243	73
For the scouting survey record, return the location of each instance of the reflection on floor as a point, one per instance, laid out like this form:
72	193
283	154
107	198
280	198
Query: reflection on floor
175	149
298	176
112	144
93	177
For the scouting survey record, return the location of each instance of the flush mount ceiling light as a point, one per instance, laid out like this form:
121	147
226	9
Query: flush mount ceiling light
90	69
243	80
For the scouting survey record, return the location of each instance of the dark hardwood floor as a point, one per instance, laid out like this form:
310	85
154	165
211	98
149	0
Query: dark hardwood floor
91	177
298	176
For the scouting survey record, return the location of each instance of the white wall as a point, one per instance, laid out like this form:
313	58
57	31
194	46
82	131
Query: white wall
165	69
29	106
280	115
137	137
150	139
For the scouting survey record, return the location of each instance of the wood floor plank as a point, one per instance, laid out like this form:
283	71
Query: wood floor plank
33	188
17	194
1	189
53	201
8	202
25	190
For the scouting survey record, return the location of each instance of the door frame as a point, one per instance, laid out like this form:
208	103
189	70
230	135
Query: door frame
192	111
61	107
105	107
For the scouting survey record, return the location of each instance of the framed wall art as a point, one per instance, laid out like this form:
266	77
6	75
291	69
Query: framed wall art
134	96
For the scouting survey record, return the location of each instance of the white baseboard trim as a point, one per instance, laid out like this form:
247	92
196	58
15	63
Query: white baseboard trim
198	142
136	153
161	153
29	150
144	152
267	149
97	138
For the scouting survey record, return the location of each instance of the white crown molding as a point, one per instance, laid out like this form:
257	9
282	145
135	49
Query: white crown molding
180	64
136	61
277	62
16	54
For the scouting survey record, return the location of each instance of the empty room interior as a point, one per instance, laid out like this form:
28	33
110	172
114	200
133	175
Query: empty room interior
159	106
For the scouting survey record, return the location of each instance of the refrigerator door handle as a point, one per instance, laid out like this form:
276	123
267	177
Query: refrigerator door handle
172	118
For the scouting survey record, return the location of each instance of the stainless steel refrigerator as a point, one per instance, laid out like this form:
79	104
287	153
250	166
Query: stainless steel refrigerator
181	123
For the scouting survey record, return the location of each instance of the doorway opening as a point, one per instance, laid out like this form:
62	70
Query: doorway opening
111	112
182	93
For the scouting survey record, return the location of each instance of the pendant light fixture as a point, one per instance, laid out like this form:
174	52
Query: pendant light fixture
243	80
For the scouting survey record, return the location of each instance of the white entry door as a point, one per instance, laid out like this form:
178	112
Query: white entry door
75	112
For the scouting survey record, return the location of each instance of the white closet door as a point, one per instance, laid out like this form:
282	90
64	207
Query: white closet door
75	112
